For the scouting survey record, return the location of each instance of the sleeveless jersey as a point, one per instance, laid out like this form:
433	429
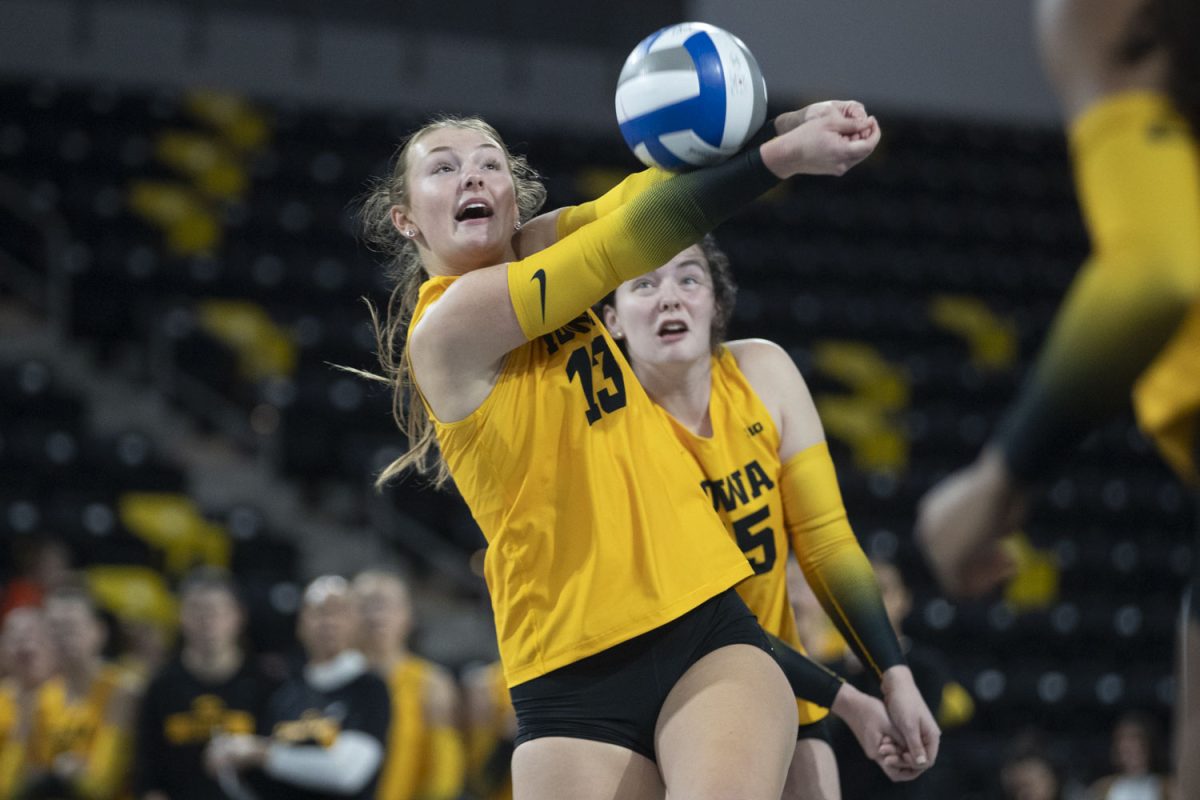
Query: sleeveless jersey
741	467
597	527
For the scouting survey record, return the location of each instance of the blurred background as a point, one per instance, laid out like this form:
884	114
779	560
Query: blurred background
178	273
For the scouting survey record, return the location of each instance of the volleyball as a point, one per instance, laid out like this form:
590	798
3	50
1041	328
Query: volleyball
689	95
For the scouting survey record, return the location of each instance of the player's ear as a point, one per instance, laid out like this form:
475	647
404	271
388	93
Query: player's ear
611	321
403	222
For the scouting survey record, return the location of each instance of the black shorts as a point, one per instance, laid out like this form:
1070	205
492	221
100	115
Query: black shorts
615	696
815	730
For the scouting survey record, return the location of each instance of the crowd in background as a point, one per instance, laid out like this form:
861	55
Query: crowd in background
89	711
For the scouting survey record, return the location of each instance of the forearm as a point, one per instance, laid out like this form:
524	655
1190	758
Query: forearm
833	562
572	218
809	680
343	768
552	287
1111	326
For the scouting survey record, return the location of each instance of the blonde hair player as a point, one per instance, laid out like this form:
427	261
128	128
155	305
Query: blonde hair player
632	665
744	412
1128	78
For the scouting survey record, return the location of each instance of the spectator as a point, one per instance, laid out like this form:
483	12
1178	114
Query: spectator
210	689
325	729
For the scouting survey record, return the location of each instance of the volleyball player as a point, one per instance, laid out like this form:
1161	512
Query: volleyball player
1128	78
210	689
79	742
632	665
425	755
745	414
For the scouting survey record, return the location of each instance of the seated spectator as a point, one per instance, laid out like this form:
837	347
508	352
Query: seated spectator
323	731
210	689
425	756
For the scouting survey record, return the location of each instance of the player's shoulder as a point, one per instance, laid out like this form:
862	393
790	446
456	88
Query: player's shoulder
758	354
766	365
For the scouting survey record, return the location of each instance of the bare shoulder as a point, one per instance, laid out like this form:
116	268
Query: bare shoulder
765	364
537	234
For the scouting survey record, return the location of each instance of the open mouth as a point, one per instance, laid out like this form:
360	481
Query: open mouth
672	329
473	210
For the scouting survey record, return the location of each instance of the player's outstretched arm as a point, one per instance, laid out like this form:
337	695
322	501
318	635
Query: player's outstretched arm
491	311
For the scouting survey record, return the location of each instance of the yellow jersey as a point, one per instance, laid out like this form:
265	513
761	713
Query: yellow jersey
741	467
597	527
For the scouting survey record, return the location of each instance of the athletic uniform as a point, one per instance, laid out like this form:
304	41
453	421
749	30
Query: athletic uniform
601	540
423	760
179	715
753	492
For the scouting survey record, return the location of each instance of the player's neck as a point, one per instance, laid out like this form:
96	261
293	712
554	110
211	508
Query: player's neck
212	666
683	389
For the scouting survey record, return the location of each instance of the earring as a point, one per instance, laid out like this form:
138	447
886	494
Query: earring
410	233
617	335
517	225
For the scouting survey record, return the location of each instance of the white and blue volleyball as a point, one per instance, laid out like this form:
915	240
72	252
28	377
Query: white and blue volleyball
690	95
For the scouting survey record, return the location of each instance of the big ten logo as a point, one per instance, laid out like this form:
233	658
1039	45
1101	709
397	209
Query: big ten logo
868	419
207	717
755	428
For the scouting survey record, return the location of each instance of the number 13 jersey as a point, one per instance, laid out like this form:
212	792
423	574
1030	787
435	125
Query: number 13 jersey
598	529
